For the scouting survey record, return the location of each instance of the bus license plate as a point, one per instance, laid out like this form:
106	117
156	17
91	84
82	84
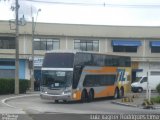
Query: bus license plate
56	84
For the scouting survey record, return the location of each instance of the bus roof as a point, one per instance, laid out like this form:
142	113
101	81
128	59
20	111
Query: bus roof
79	51
63	51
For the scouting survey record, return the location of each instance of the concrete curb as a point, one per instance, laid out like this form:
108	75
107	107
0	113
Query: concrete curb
4	101
124	104
158	107
129	105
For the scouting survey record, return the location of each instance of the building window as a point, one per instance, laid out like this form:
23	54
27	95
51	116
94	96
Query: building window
124	48
7	43
46	44
155	49
155	46
125	45
7	63
86	45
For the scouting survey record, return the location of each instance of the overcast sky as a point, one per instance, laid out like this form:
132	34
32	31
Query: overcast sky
99	12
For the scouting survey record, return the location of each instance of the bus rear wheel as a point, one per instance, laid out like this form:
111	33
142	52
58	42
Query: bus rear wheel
116	93
91	96
84	96
121	93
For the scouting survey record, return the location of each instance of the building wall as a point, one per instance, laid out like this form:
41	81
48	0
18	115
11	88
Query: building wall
8	71
102	46
22	66
70	43
67	33
145	66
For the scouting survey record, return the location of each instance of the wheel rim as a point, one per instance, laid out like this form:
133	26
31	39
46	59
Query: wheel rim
121	93
91	96
116	94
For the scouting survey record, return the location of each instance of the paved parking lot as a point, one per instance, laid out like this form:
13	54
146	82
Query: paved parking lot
33	104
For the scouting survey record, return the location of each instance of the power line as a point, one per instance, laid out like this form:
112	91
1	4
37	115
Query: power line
65	3
135	6
98	4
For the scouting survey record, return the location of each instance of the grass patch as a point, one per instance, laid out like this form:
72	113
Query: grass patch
156	99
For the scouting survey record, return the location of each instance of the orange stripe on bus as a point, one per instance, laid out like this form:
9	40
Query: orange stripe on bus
103	69
108	91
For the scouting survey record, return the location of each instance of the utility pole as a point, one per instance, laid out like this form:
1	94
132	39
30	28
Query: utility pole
32	70
33	31
22	22
17	50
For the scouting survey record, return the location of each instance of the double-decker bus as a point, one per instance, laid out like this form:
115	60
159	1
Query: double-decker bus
84	76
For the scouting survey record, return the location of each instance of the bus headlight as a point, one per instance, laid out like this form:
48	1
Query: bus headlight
67	91
74	95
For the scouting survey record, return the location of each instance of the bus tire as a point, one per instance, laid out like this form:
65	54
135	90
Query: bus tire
84	96
121	92
56	101
116	93
65	101
91	95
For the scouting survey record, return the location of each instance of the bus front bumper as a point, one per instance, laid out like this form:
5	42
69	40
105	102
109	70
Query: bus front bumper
47	96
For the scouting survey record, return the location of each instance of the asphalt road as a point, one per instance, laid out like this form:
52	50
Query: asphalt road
33	108
34	105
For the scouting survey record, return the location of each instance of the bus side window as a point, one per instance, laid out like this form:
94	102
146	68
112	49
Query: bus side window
108	61
90	81
99	80
87	81
98	60
128	62
115	61
83	59
76	77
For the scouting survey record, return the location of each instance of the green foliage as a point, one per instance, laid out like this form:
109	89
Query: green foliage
24	85
7	86
156	99
158	88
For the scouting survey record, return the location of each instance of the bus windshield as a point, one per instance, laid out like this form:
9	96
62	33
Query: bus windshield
56	79
58	60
